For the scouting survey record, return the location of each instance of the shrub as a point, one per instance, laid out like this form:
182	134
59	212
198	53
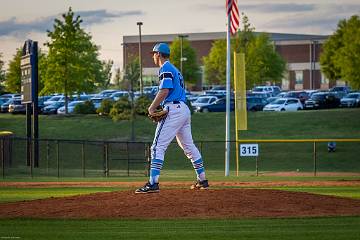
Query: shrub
142	104
121	109
105	107
85	108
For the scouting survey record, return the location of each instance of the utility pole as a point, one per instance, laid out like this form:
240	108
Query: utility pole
181	36
140	58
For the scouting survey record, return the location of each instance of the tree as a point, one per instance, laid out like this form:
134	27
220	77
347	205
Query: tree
263	63
72	63
340	58
42	68
2	73
117	78
190	67
106	74
215	63
13	76
132	74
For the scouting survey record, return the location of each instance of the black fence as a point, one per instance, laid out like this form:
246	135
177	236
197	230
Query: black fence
80	158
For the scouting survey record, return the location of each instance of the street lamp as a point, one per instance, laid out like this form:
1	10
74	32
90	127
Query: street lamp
181	36
140	58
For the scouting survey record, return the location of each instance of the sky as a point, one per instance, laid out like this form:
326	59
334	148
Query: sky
108	21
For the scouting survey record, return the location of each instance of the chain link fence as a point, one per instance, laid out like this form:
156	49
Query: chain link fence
71	158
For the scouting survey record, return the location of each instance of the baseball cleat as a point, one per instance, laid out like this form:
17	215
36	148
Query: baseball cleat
200	185
149	188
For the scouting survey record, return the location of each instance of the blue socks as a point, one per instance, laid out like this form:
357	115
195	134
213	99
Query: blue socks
156	165
199	169
155	168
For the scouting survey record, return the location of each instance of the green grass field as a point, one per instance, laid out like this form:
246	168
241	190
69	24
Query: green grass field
331	228
338	123
335	123
339	228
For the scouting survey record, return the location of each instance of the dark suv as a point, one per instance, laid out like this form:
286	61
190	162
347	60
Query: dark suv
255	103
322	100
301	95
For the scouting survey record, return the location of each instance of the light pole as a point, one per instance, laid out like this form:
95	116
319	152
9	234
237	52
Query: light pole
140	58
181	36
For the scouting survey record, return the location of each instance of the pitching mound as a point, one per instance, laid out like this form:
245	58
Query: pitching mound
172	203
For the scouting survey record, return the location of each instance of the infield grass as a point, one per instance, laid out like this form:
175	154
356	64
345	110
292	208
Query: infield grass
331	228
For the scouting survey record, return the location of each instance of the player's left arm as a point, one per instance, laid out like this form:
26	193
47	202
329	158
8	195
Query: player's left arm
159	98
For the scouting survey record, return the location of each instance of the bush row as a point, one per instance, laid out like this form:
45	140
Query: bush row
118	110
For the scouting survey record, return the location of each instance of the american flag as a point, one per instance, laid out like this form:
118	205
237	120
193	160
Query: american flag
233	11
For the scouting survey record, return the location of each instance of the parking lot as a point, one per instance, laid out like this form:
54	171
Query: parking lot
260	98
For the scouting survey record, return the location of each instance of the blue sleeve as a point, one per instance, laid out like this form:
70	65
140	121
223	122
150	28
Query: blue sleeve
166	79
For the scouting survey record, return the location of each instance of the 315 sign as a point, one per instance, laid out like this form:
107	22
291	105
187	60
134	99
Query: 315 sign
249	150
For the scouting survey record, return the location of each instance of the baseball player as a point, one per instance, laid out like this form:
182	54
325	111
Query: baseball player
177	123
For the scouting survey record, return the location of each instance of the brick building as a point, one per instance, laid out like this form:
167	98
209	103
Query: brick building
301	52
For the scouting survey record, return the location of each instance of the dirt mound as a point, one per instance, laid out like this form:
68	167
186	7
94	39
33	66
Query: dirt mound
179	203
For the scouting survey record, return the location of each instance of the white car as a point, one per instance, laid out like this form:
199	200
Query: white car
203	100
71	107
284	104
351	100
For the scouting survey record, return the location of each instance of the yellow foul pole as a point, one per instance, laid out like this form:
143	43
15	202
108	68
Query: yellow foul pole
240	100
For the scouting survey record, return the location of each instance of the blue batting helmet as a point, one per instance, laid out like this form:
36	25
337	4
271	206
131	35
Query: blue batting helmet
161	48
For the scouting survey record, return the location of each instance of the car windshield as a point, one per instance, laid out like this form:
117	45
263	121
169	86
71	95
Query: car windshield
259	89
55	98
279	101
353	96
202	100
318	96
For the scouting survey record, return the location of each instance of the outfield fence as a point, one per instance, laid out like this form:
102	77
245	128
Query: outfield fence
81	158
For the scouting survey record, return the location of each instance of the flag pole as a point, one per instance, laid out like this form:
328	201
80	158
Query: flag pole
227	135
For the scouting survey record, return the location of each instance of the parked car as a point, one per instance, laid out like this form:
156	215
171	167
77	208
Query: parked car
284	104
351	100
16	106
273	90
301	95
264	95
3	100
106	93
255	103
52	108
71	107
322	100
5	106
340	91
271	99
192	97
97	101
203	100
281	94
217	91
54	99
217	106
119	94
10	95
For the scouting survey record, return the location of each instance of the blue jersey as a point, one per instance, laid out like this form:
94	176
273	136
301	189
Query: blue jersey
171	78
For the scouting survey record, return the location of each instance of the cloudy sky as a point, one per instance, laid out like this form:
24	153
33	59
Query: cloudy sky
109	20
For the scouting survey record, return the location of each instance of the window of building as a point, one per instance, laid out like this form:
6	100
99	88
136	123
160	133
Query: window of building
299	77
324	79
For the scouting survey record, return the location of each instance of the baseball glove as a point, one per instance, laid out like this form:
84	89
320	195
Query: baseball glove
158	115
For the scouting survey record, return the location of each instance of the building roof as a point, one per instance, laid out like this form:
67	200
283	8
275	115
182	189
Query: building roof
219	35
